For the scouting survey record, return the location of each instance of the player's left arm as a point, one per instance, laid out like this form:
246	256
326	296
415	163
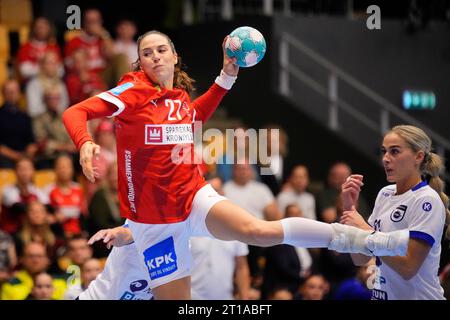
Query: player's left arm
353	218
426	223
408	266
206	104
118	237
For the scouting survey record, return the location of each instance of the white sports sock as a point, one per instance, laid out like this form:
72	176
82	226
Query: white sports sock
306	233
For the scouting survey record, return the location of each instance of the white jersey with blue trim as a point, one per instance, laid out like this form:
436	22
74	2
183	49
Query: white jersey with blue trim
420	210
123	278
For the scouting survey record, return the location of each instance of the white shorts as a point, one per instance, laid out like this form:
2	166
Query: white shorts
165	247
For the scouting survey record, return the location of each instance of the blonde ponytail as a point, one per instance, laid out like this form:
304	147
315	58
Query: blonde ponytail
433	168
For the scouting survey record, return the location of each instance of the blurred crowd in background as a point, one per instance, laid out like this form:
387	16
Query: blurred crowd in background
49	210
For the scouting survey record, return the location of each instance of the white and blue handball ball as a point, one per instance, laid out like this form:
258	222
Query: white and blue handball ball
246	44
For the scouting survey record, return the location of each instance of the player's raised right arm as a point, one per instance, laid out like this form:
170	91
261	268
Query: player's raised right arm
206	104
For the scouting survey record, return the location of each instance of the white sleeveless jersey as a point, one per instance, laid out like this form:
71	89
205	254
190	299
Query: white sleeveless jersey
422	212
123	278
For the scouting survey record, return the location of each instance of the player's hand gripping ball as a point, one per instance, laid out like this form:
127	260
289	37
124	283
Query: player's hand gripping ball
246	44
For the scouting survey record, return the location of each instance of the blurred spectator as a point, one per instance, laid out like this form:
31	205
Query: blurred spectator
104	211
36	228
315	287
104	206
326	200
286	266
126	31
100	48
239	149
47	78
252	195
82	82
78	252
357	288
105	138
89	271
95	39
280	294
43	288
215	264
16	197
282	269
66	197
298	183
50	133
257	199
16	132
42	40
8	257
33	261
277	156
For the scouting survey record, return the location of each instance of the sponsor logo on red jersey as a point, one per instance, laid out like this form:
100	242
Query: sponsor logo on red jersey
169	133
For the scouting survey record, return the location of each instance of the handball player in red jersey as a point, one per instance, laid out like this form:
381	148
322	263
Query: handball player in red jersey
166	201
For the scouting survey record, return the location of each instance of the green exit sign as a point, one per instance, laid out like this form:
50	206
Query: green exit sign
419	100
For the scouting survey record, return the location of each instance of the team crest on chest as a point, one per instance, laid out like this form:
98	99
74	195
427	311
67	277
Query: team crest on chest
399	213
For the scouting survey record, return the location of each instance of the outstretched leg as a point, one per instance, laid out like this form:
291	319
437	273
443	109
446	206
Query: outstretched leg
227	221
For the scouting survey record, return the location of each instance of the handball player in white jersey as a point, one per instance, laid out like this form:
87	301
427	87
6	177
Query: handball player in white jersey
124	276
416	202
